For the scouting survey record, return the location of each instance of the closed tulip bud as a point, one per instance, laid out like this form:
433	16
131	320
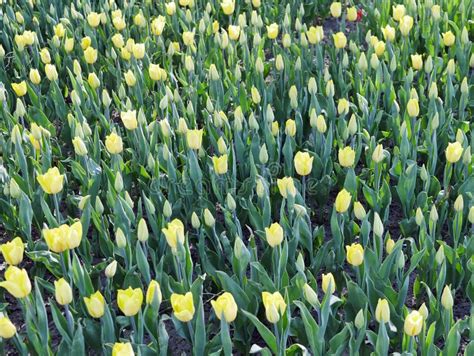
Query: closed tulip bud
118	183
328	283
79	146
464	86
382	311
120	238
429	65
35	76
433	92
303	163
275	306
312	86
434	214
153	293
343	200
183	306
111	269
142	233
470	216
255	95
130	300
321	124
451	67
448	38
7	329
362	63
423	310
454	152
330	89
359	321
15	190
343	106
374	61
439	257
263	154
355	254
13	251
279	63
130	78
63	292
310	295
274	234
167	209
459	204
352	14
221	146
195	221
16	282
220	164
413	108
447	298
379	48
209	219
378	225
340	40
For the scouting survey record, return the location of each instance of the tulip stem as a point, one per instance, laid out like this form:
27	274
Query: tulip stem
56	206
134	328
304	189
276	268
70	322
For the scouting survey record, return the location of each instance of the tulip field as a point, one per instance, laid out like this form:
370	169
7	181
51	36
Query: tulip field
220	177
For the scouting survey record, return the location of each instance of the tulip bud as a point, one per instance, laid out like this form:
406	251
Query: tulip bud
209	218
434	214
382	311
359	211
63	292
142	233
120	238
310	295
359	321
378	225
459	203
447	298
440	255
111	269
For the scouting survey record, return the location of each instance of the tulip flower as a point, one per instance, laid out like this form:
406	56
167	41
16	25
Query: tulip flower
95	305
412	107
286	186
274	234
328	283
183	306
454	152
335	9
225	307
13	251
382	311
64	237
130	300
174	234
19	88
129	119
63	292
343	200
448	38
7	329
51	181
274	305
220	164
303	163
16	282
153	291
413	323
122	349
398	11
340	40
228	6
272	31
355	254
447	300
346	156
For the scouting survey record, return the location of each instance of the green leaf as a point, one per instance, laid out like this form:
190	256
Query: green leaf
264	332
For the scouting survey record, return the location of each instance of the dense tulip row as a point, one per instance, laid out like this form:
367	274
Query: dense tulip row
217	177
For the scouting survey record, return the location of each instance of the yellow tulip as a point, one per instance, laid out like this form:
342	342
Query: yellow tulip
154	71
454	152
130	78
286	186
398	12
16	282
35	76
63	291
123	349
157	25
13	251
130	300
303	163
336	9
194	139
138	50
90	55
377	155
328	283
275	306
413	108
7	329
340	40
382	311
346	156
79	146
93	80
51	72
228	6
406	24
272	31
389	246
64	237
413	323
290	127
153	291
51	181
234	32
69	44
113	143
315	34
274	234
379	48
352	14
388	33
19	88
355	254
117	40
93	19
95	304
170	8
225	306
416	61
220	164
183	306
436	12
343	106
359	210
343	200
448	38
45	56
129	119
119	23
174	234
188	38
